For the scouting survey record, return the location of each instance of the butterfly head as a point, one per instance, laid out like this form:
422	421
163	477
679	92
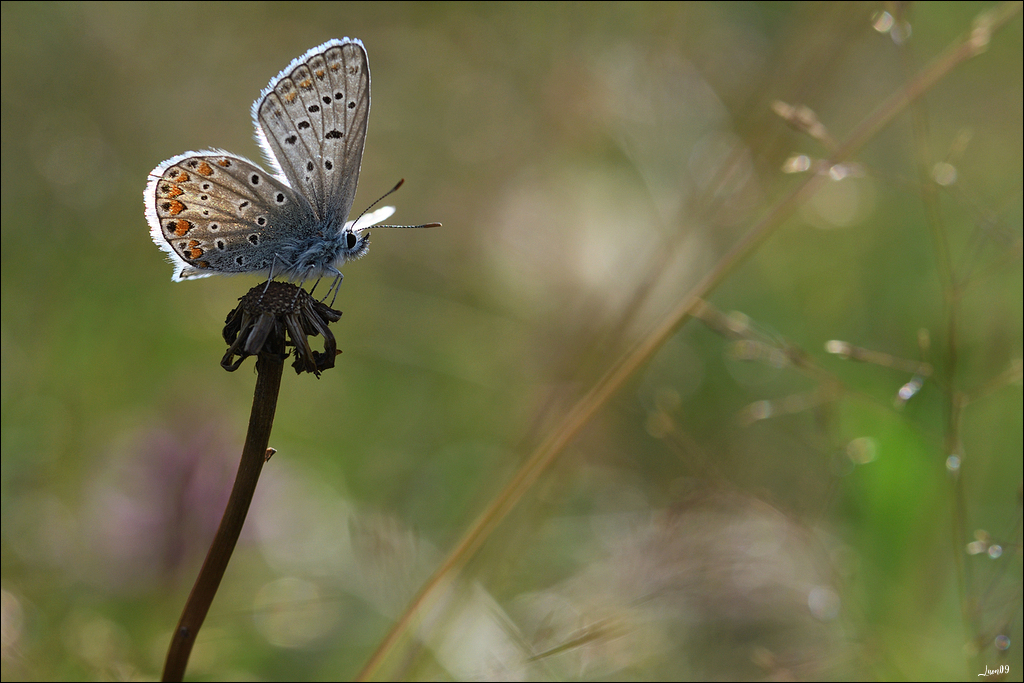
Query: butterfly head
356	241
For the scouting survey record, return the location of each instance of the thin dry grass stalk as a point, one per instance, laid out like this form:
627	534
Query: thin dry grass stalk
966	47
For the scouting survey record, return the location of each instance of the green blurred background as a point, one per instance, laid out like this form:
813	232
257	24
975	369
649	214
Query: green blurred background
729	514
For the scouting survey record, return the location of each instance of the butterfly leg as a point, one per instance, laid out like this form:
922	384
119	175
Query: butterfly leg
269	279
315	284
302	283
335	286
271	274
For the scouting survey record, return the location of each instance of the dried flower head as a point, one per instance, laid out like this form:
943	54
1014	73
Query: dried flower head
263	317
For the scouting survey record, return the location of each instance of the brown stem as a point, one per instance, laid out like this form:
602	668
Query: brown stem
268	384
578	417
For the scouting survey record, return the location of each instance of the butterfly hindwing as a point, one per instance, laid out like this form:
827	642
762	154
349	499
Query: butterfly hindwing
214	212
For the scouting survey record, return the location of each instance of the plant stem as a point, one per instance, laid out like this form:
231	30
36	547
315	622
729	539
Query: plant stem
269	367
580	415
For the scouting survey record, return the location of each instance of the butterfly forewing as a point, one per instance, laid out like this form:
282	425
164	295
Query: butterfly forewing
312	121
213	212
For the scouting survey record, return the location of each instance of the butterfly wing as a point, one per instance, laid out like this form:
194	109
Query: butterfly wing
311	123
213	212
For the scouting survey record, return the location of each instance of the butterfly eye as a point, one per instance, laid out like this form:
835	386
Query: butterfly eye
351	240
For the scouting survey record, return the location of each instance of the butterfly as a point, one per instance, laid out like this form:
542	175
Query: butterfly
214	212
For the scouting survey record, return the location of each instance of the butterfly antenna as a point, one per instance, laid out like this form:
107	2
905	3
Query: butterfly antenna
382	198
425	225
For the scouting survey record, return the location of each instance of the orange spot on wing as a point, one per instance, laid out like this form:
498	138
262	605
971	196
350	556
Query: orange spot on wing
224	162
193	251
204	169
181	227
174	207
305	84
290	97
172	191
